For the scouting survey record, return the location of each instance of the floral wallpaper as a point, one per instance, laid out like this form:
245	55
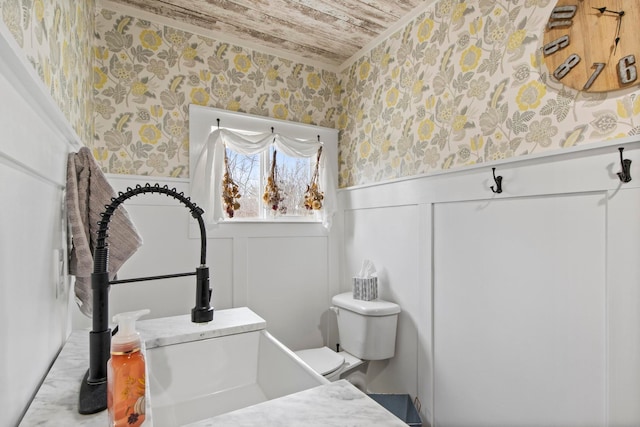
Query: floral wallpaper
56	36
462	83
147	74
465	83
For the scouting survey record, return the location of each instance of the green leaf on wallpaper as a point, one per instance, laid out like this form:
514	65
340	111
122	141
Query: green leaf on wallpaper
562	111
175	83
26	14
221	49
176	172
517	123
122	121
122	24
573	137
497	94
515	143
445	59
141	54
593	99
448	161
513	15
461	82
548	108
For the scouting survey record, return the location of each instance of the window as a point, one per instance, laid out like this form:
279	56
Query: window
248	142
249	173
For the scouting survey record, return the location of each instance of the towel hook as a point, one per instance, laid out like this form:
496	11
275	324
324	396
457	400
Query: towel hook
625	164
498	181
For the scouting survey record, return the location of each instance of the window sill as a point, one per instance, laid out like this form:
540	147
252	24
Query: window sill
262	228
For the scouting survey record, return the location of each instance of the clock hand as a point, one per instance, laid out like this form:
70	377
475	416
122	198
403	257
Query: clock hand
604	9
617	39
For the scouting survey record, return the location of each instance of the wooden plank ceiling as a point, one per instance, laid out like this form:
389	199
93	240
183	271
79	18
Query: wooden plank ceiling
324	31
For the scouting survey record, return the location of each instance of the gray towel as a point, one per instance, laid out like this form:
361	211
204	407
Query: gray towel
88	191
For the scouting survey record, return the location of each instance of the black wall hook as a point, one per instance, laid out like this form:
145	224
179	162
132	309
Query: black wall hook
625	164
498	181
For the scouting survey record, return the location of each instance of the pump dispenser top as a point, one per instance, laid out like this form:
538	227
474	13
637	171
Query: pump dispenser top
127	339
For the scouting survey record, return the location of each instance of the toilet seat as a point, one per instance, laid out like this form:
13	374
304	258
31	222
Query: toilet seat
323	360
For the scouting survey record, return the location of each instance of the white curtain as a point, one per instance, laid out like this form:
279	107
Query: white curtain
206	185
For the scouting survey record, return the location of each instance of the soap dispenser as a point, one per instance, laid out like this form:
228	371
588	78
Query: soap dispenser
126	373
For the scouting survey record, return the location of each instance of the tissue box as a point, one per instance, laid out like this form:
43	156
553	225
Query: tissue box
365	289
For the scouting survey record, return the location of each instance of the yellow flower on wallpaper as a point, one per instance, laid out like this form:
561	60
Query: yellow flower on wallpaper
475	26
150	39
149	134
233	105
470	58
313	80
365	67
365	149
156	110
205	75
272	74
189	53
425	29
458	122
425	129
99	78
139	88
458	11
515	39
392	97
100	154
530	95
280	111
199	96
242	62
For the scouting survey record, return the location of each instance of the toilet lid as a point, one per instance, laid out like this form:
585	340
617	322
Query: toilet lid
322	360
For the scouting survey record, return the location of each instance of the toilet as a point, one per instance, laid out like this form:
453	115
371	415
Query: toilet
367	331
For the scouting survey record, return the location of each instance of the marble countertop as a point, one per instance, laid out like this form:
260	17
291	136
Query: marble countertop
334	404
331	405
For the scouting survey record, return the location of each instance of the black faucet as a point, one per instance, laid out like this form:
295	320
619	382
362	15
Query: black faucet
93	389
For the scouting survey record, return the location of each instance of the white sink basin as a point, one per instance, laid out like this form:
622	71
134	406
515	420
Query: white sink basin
197	380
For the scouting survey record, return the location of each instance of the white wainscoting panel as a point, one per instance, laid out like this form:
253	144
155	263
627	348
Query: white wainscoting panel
387	237
526	303
519	311
623	308
287	284
34	145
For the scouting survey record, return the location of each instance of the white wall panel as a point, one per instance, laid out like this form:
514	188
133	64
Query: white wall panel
519	312
33	282
571	301
287	284
387	237
623	309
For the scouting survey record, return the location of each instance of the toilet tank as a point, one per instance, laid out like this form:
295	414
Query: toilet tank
367	328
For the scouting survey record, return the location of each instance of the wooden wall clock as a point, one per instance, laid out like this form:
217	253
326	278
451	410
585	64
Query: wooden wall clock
593	45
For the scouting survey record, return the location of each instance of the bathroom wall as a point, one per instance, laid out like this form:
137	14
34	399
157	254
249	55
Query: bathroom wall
141	99
34	296
463	83
45	112
519	308
57	38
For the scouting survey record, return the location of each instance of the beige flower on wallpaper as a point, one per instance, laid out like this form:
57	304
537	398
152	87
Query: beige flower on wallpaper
530	95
